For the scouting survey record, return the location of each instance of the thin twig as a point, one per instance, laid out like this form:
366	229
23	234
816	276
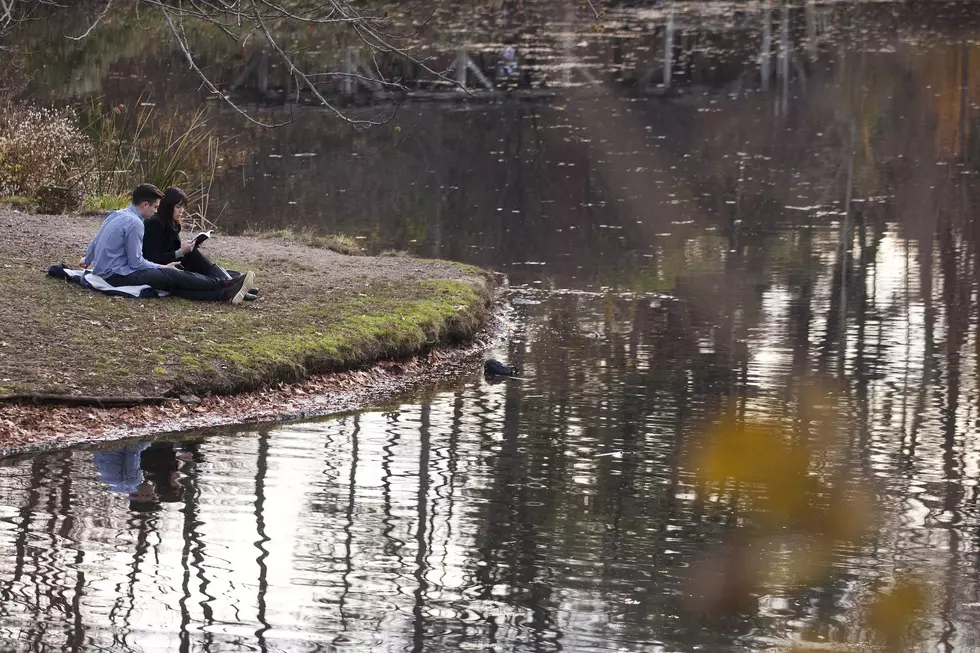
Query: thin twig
204	78
105	10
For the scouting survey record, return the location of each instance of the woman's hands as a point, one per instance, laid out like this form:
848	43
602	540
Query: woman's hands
186	248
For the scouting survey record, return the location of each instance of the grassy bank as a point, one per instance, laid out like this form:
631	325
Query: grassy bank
318	311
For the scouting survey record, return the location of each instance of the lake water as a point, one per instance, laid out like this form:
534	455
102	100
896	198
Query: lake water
781	243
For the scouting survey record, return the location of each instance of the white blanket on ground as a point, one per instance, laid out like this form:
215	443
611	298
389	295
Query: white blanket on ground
92	281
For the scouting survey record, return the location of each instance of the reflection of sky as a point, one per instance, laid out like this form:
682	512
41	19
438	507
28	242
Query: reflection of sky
769	362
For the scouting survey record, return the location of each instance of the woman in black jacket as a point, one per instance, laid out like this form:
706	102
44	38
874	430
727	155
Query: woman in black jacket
161	239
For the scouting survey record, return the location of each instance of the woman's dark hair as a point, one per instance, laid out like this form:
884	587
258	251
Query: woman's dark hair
171	197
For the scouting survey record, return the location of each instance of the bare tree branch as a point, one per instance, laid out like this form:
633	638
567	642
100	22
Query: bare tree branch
594	10
105	10
293	31
293	70
181	41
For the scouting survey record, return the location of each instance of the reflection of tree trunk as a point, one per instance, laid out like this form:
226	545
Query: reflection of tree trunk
38	472
862	367
349	525
801	314
192	554
421	553
766	45
955	335
392	545
26	513
452	455
811	29
669	47
76	637
964	100
928	327
784	54
844	257
43	577
261	471
836	336
950	587
59	505
143	525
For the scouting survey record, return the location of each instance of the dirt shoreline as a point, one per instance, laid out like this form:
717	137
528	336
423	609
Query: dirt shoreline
330	333
43	429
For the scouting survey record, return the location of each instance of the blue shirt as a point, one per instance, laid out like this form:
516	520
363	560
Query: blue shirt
120	468
118	247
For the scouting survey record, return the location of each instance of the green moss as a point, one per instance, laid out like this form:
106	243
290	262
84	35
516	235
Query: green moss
394	320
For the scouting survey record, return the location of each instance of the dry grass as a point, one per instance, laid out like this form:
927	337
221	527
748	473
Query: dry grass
339	243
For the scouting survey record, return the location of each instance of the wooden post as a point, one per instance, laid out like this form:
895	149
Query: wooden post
784	58
811	29
348	84
461	66
262	74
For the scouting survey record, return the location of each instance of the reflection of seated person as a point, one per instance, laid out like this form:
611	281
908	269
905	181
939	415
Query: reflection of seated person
161	463
120	470
508	64
145	499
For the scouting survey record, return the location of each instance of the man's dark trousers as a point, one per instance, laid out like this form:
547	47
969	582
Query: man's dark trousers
189	285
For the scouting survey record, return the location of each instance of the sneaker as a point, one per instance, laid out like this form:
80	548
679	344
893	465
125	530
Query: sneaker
241	286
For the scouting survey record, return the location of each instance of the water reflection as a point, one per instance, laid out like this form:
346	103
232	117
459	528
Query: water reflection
553	511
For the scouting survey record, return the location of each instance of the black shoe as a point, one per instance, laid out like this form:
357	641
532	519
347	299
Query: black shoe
253	291
250	297
240	287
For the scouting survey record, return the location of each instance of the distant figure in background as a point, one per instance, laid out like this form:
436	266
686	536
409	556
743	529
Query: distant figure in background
161	241
508	65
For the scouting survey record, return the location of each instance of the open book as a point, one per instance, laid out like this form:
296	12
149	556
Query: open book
201	237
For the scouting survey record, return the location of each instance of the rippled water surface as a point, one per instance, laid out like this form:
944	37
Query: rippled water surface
777	228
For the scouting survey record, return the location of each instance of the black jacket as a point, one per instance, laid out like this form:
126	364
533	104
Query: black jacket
160	241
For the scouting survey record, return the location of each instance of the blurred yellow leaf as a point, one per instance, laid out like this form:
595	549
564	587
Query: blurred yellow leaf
893	613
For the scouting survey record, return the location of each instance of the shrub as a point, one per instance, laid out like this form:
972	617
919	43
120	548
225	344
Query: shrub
102	203
28	204
42	148
138	144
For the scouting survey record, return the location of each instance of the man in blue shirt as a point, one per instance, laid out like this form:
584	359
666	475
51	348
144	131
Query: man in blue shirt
116	254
